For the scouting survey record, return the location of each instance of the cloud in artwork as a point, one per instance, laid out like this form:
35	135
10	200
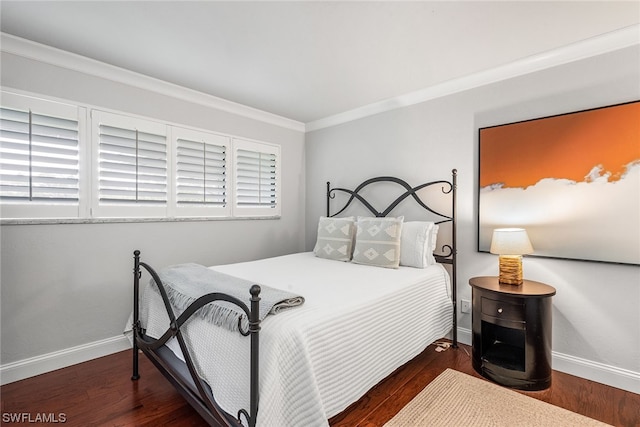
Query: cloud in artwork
596	174
597	219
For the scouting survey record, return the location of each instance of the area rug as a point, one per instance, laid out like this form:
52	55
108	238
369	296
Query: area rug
457	399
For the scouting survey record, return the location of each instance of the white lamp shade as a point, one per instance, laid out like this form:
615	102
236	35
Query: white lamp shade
510	241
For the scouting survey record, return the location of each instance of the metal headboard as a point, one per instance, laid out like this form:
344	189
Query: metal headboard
449	251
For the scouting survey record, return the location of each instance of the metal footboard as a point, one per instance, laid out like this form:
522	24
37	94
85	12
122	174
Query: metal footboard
201	398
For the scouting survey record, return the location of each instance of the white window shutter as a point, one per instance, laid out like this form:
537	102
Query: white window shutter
39	158
257	179
131	166
201	170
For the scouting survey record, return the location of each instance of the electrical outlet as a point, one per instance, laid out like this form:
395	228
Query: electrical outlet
465	306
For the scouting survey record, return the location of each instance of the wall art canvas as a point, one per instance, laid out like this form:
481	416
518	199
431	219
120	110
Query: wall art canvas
572	181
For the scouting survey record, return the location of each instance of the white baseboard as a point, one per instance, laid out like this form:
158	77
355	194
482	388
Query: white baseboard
15	371
33	366
598	372
464	336
583	368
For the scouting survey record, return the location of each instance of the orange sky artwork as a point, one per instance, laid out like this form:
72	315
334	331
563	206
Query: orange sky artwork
561	147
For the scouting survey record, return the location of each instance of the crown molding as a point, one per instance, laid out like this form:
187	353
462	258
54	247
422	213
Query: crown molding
60	58
594	46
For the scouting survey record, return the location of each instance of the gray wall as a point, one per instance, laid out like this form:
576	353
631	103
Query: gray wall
596	317
69	285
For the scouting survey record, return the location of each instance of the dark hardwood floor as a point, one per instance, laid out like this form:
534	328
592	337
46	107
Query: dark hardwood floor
101	393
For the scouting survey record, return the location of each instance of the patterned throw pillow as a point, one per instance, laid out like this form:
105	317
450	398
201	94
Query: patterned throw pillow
335	238
378	241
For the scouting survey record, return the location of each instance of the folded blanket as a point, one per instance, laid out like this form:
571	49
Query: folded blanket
184	283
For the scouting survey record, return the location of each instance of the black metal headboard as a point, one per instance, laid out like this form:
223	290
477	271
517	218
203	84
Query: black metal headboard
449	252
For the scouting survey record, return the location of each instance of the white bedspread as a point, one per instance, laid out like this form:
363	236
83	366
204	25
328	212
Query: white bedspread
317	359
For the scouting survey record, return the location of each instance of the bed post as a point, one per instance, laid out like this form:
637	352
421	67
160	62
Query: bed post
254	329
454	286
328	199
136	314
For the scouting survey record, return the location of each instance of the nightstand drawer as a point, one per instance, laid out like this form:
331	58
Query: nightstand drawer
503	310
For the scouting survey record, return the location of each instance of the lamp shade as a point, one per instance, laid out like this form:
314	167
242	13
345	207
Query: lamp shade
510	241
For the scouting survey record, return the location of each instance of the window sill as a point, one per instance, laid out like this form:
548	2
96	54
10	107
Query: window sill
51	221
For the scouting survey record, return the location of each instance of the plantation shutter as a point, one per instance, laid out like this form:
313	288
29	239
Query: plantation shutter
132	161
257	179
39	155
256	183
201	170
128	167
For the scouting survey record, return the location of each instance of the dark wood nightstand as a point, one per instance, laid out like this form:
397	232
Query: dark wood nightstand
511	340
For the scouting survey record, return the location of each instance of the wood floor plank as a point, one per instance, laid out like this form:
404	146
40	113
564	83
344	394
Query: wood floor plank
101	393
381	392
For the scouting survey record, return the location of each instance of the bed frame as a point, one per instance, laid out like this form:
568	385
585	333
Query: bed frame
449	253
184	375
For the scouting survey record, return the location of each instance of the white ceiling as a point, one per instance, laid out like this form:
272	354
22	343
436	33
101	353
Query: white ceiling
309	60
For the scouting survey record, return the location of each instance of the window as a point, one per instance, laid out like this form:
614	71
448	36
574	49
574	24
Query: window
257	185
39	158
201	185
132	170
59	160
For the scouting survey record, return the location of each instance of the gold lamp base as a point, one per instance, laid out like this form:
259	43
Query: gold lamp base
510	269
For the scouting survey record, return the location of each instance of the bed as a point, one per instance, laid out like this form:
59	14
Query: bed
358	323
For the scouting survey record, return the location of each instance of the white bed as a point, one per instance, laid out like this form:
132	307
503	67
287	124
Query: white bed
357	325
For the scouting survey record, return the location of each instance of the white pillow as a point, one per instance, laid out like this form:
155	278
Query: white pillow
378	241
418	243
335	238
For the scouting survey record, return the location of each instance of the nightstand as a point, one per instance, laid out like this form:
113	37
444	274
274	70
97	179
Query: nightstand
511	342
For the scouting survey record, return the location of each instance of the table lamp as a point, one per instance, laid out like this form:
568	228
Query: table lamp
510	244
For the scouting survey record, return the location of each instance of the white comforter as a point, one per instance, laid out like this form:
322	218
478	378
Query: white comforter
357	325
